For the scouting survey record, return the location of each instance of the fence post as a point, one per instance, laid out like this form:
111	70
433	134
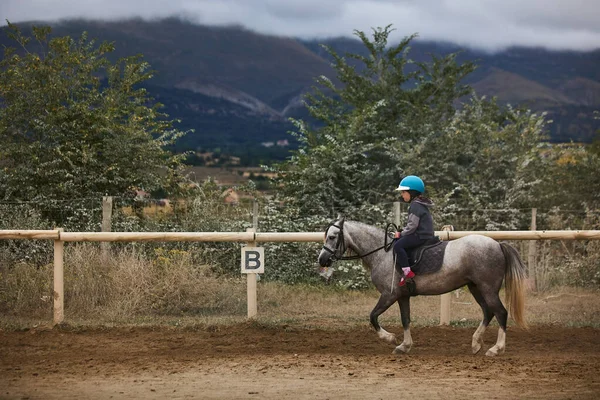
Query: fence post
107	206
252	279
396	212
531	259
255	215
446	298
251	288
59	287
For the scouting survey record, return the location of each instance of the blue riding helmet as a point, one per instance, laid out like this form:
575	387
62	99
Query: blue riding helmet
412	182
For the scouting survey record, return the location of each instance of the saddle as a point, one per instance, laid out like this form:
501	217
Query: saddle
428	257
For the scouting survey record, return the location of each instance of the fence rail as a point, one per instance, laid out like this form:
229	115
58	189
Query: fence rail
270	236
29	234
157	236
524	235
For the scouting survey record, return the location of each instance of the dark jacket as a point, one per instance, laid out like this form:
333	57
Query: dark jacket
420	221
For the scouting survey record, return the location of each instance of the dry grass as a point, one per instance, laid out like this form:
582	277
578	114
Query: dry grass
169	290
564	306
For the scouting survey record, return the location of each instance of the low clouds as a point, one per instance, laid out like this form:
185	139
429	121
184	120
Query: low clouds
483	24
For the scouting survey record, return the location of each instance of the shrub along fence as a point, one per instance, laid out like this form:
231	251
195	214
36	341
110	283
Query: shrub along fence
60	237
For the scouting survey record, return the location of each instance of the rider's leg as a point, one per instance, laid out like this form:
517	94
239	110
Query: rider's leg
402	265
401	255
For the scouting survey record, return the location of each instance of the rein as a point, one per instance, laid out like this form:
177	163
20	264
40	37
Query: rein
341	243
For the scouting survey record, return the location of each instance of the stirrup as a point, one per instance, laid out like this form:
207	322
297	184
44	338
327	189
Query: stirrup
403	280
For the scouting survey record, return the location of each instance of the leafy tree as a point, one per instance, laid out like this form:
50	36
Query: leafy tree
74	124
354	158
569	179
486	159
393	117
572	177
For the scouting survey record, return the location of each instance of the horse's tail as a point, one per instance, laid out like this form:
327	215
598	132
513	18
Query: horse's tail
514	284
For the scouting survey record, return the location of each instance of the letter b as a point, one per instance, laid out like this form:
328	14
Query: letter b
252	260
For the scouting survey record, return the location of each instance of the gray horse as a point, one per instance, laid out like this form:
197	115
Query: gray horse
477	261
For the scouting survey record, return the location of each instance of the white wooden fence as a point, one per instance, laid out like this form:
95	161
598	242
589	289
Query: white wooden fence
60	237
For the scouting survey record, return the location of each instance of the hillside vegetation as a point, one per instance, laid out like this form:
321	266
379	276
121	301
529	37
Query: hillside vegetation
236	88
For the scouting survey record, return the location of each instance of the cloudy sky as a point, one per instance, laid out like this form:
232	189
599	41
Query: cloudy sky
483	24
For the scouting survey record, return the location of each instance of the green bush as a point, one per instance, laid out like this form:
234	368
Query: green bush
23	216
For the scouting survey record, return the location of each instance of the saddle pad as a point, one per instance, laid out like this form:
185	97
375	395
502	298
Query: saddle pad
414	254
429	258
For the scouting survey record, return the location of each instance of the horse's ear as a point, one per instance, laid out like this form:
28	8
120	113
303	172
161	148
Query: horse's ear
341	220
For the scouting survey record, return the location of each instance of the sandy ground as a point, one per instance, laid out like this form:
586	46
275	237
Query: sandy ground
249	361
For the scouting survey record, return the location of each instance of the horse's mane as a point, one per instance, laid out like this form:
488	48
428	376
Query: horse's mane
374	231
368	228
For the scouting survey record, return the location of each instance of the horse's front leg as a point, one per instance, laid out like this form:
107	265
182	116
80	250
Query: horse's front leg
385	301
407	343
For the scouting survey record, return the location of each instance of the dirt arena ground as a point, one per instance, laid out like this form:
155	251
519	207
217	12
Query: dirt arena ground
250	361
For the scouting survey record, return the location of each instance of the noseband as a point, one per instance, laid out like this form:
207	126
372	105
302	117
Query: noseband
339	244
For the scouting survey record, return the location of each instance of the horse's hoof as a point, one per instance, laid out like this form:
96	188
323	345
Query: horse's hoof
492	352
402	349
476	347
387	337
390	339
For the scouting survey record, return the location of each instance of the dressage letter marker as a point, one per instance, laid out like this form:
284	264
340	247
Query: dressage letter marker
253	260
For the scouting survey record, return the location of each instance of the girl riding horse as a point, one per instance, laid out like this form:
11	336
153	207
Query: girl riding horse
419	226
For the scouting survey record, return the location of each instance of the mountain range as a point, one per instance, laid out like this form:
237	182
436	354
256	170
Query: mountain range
237	88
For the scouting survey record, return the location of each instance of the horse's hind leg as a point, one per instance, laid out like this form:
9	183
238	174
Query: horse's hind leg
404	303
477	341
385	301
495	305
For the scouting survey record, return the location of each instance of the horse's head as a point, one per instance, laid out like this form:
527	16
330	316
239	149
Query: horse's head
333	246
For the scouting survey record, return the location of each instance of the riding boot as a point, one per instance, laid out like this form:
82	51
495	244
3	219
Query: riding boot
407	272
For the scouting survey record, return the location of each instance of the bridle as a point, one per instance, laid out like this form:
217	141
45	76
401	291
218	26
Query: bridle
340	245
